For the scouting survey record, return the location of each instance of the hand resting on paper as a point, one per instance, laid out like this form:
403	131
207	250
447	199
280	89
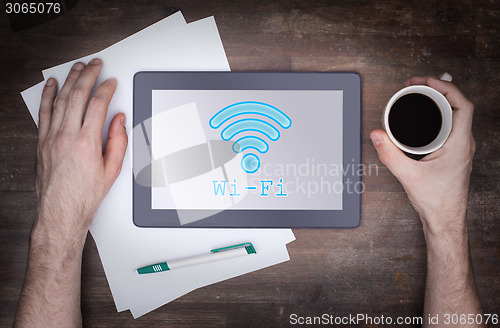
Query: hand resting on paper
73	177
437	187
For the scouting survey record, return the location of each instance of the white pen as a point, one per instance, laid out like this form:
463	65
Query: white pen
214	255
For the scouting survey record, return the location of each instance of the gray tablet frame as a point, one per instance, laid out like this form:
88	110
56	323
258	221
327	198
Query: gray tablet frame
349	83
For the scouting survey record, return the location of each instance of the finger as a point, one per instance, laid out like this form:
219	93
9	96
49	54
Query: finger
98	107
115	149
79	95
416	80
392	157
464	109
45	112
61	99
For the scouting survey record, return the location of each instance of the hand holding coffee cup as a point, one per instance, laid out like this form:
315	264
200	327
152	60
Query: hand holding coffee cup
418	119
438	184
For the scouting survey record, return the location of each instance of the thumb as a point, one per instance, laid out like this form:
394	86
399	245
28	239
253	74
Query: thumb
115	149
389	154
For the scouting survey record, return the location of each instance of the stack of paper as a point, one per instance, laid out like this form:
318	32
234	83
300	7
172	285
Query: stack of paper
169	45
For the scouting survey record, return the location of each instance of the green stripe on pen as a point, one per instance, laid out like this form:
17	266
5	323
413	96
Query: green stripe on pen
158	267
248	246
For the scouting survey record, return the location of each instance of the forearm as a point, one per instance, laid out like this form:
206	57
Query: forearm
51	292
450	287
74	174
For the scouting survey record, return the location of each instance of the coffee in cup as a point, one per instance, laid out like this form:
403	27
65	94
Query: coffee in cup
418	119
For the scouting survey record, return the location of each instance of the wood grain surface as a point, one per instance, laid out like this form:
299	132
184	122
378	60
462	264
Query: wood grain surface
376	269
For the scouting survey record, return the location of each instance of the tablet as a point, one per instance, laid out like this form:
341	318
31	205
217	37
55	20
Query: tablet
246	150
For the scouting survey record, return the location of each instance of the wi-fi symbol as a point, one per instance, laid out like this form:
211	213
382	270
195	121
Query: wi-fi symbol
250	162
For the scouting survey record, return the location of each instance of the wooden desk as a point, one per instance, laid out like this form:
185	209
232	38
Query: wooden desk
376	269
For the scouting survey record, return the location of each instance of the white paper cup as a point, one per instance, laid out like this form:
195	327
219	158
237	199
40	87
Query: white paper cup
444	107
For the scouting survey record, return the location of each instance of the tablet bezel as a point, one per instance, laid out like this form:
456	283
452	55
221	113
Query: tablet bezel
349	83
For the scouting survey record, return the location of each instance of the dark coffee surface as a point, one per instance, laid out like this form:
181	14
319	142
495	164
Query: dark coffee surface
415	120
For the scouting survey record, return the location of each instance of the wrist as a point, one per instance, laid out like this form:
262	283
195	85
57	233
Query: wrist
446	234
57	260
440	223
62	223
56	235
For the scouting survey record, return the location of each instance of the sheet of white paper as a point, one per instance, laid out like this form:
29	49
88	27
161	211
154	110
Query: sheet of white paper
157	29
168	45
154	49
32	97
276	254
208	39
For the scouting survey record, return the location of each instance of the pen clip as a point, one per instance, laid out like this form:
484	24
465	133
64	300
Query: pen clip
248	246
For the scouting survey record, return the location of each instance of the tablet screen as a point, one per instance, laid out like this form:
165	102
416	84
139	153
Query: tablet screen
247	149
